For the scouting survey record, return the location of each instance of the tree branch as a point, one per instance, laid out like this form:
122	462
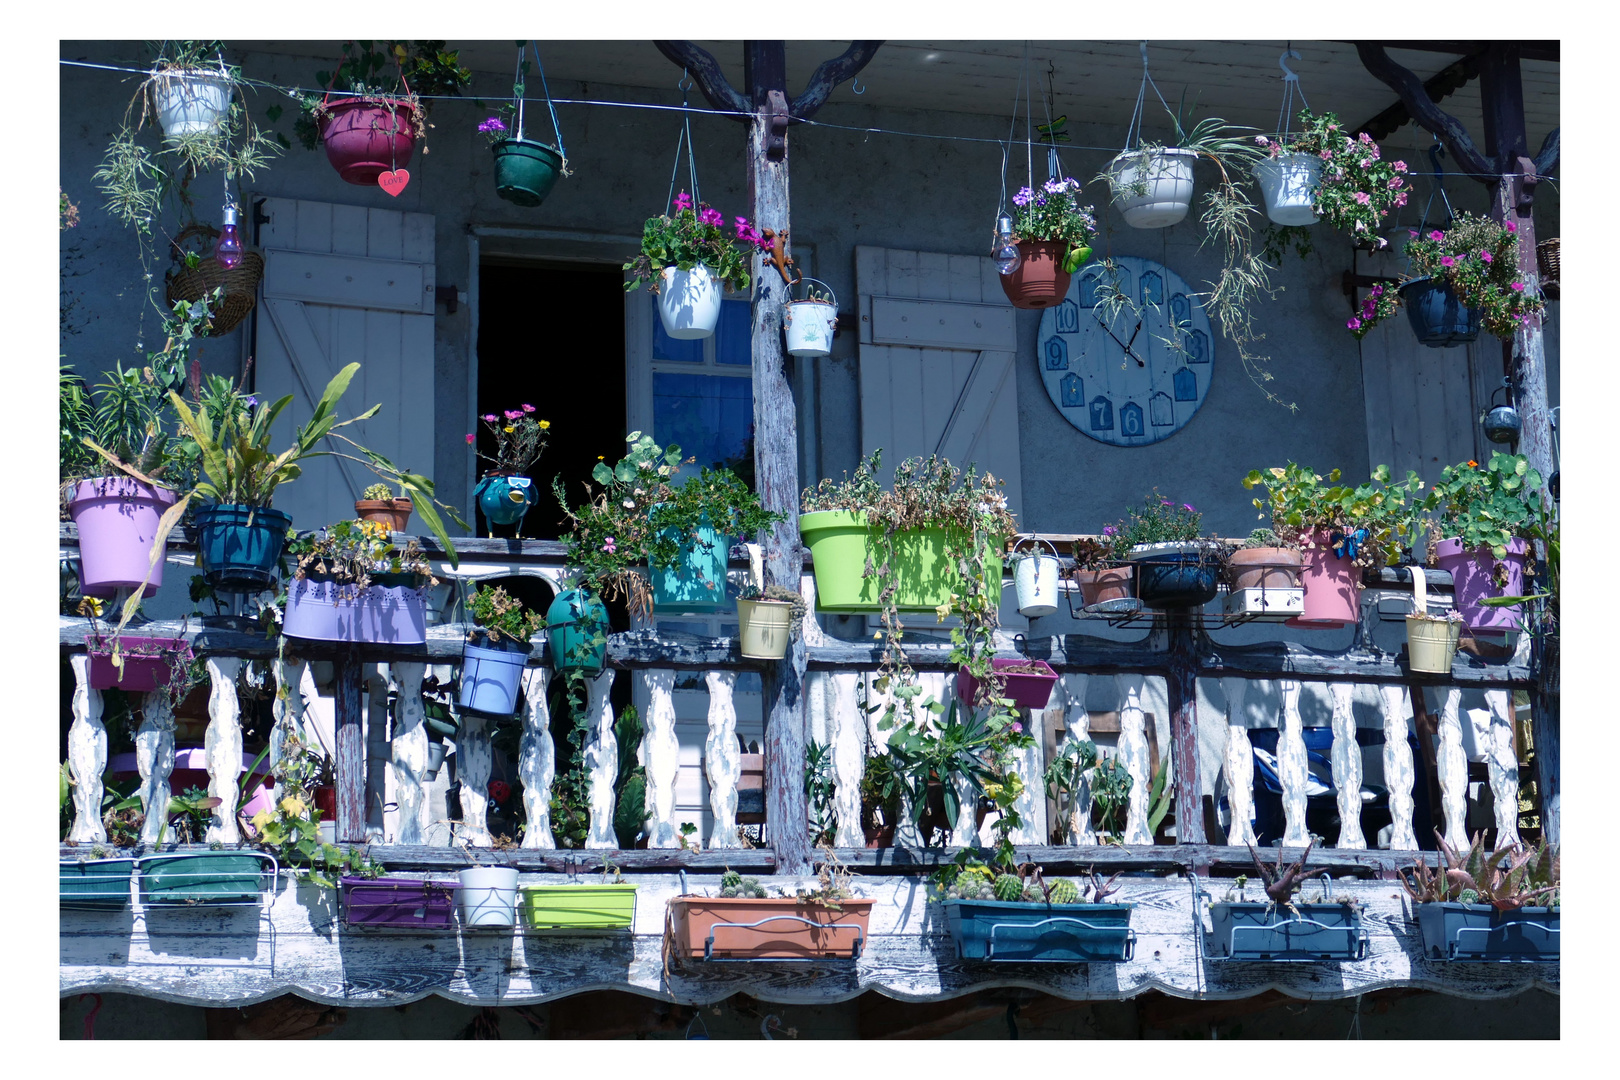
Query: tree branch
705	69
829	75
1412	94
1547	156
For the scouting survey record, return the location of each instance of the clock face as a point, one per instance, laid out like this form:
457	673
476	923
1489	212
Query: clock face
1132	373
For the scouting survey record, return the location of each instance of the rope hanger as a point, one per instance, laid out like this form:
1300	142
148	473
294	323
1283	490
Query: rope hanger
1133	133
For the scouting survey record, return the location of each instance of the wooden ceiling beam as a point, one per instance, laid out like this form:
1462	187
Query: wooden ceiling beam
1530	50
1445	82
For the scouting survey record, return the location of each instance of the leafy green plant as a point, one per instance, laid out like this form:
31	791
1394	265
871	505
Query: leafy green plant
352	552
502	616
422	68
693	235
881	789
1301	502
1261	538
630	785
1065	775
1111	797
820	790
1157	521
520	438
1483	506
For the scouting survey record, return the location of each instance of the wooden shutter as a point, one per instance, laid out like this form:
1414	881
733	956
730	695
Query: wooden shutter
1423	405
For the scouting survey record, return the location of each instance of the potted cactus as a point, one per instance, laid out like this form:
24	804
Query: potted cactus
744	923
1279	928
1006	915
379	503
1488	906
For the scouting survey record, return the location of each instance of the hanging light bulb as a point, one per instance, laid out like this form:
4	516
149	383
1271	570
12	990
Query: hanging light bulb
1005	248
228	251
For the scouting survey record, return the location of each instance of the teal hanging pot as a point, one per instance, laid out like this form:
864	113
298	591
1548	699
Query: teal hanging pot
525	171
573	623
698	585
504	499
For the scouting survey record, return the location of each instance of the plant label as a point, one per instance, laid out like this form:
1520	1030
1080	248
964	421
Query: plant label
393	182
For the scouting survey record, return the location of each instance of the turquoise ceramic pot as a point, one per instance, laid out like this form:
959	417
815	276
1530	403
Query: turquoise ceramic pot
572	621
504	499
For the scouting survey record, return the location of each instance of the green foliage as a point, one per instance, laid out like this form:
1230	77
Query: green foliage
520	438
502	616
1110	797
820	790
1261	538
422	68
960	746
1157	521
881	788
1484	507
1357	187
689	236
1054	214
1009	887
351	552
1300	503
1065	774
1161	796
630	784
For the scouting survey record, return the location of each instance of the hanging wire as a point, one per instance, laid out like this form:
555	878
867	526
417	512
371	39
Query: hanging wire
1291	87
1134	131
519	85
685	137
1436	152
1006	148
544	89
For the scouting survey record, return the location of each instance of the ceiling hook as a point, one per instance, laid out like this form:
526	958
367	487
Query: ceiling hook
1289	74
1142	47
686	81
855	85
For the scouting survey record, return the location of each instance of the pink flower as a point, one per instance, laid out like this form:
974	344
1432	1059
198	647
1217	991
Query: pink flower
711	216
1354	323
1366	163
609	546
1437	235
490	418
1400	166
1018	728
469	438
514	414
1447	260
1511	227
1517	286
528	408
1413	233
1400	198
1394	183
683	201
1190	508
1485	256
1364	137
1363	198
1325	155
1377	290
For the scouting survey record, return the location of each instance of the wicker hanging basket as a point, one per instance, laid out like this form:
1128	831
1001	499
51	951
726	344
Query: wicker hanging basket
1547	267
241	283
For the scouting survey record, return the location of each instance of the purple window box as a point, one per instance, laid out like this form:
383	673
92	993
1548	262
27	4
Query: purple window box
1032	690
391	611
405	902
141	673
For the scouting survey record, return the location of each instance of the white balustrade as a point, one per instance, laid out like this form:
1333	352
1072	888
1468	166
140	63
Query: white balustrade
1077	729
222	745
1239	764
661	756
846	730
1292	768
408	752
537	764
1452	765
475	759
1133	755
154	760
87	756
1398	766
601	760
1502	768
1347	766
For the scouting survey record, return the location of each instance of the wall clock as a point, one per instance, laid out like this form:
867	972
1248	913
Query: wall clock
1135	375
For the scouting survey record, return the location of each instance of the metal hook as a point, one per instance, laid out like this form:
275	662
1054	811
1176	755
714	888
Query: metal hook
1142	47
1282	61
1436	152
686	81
855	85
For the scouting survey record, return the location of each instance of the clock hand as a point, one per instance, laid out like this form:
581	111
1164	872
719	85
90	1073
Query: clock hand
1124	345
1128	344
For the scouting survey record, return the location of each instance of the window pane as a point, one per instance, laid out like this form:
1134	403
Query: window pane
709	417
733	338
685	350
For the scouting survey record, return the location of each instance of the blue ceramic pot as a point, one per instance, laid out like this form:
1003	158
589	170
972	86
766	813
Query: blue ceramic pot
572	621
504	499
1438	318
240	546
698	586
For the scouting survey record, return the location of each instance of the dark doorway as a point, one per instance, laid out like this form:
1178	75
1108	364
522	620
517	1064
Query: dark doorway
552	335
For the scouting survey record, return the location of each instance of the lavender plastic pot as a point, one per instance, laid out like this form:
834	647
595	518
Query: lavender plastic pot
117	518
1332	587
1472	580
390	611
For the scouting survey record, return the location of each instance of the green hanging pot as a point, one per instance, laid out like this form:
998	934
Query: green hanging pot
525	171
573	622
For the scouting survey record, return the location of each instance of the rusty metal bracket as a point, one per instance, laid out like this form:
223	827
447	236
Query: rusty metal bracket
776	137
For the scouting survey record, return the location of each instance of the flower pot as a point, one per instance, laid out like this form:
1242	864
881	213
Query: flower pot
435	760
837	540
1175	574
1040	280
96	883
1473	576
750	789
488	896
190	102
117	518
1256	931
809	325
1028	689
401	902
574	619
1154	190
191	770
880	837
734	928
525	170
688	302
1438	318
1035	579
240	546
233	877
395	513
490	674
1332	585
1479	932
1264	568
698	585
364	140
504	498
1431	644
1288	184
764	628
390	611
1101	586
994	930
141	673
578	907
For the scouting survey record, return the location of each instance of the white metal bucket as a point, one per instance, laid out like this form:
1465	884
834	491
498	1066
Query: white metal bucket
190	102
689	302
488	896
1288	183
810	322
1035	577
1166	182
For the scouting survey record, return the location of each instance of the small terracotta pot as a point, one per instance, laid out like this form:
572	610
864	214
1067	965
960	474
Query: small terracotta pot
395	513
795	930
1098	586
1040	280
880	837
1266	573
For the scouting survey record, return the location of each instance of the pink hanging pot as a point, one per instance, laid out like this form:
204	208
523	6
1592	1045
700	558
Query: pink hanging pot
364	140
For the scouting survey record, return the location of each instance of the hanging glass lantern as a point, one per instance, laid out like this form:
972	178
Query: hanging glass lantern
1005	248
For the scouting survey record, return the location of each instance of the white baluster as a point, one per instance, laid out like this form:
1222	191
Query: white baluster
1133	754
87	756
1398	770
288	708
966	832
475	759
408	753
378	751
154	758
1028	764
849	756
1452	765
722	758
1239	764
1502	767
537	765
222	746
1347	766
661	753
1292	768
601	760
1077	729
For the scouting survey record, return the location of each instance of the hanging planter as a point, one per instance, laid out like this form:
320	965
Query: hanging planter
1152	189
1176	574
1438	319
1474	577
1015	932
1431	640
240	546
1102	586
737	928
365	139
688	302
488	896
148	662
573	623
398	902
838	540
491	672
1028	682
697	584
195	278
117	518
525	169
1482	932
96	883
809	322
1270	932
1288	185
190	101
578	907
210	877
1040	280
1035	580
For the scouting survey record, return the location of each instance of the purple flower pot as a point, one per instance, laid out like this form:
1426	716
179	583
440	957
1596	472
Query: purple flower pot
398	902
117	519
1029	689
141	673
390	611
1472	575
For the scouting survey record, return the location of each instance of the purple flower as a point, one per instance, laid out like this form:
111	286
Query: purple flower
1325	155
1109	530
492	124
1510	227
1485	256
683	201
711	216
1517	286
1437	235
1447	260
1023	197
1190	508
1400	166
528	408
1394	183
1363	198
514	414
1018	728
490	418
1354	323
609	546
252	400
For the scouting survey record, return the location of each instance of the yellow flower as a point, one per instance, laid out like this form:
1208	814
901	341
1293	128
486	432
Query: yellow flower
545	425
293	806
507	429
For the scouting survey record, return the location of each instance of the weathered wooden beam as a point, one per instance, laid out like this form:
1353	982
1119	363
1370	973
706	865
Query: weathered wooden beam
350	752
1412	94
827	77
1182	687
1439	86
705	71
1531	50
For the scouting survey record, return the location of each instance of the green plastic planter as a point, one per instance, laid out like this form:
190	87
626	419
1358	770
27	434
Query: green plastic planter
525	171
96	883
236	877
572	620
577	907
838	540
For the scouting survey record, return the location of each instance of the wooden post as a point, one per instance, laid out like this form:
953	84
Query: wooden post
351	748
1182	687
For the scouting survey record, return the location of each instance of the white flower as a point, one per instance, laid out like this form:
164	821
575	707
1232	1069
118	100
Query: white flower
629	504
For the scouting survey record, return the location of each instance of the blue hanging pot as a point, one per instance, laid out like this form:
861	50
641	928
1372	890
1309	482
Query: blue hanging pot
504	499
1439	319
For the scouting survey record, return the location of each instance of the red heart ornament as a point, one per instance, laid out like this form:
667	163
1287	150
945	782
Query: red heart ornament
393	182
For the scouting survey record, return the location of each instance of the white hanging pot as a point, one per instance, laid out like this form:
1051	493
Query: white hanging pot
1036	578
809	323
1152	190
688	302
190	102
1288	183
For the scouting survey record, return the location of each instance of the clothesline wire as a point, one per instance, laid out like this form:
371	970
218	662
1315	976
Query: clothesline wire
294	91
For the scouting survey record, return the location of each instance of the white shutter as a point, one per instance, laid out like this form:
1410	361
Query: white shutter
346	284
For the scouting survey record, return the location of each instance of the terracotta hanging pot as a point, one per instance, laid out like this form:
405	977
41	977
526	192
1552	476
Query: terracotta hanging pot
1040	280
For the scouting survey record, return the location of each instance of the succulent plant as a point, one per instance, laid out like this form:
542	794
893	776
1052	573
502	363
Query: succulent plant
751	889
1064	891
1468	896
730	879
1009	887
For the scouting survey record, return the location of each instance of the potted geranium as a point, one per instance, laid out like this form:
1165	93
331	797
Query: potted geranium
1322	172
767	619
352	583
686	257
1486	517
1054	234
1488	906
1175	568
379	503
1003	914
504	492
492	660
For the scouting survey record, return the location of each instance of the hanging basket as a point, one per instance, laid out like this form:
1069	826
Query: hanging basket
192	283
1547	267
